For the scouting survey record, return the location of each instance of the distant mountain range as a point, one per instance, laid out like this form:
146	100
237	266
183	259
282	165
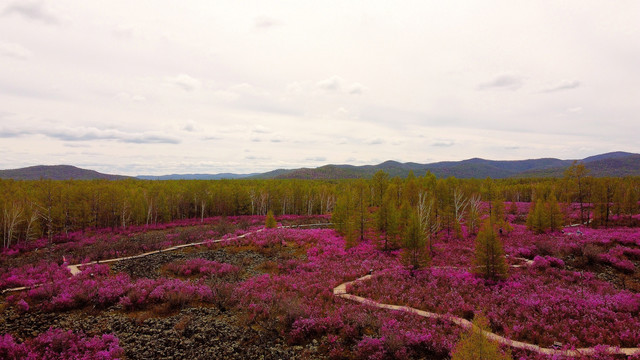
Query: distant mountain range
609	164
56	172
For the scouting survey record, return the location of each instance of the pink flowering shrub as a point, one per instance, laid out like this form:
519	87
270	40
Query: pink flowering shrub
299	302
30	275
60	344
544	262
176	293
202	267
95	286
531	306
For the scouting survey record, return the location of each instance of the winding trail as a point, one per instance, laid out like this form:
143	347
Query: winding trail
341	292
75	269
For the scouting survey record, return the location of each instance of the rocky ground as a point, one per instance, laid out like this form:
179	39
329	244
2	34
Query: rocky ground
198	332
192	333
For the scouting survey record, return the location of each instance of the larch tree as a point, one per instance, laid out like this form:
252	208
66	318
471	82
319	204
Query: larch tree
415	251
344	216
474	345
537	220
387	220
576	173
379	184
270	221
489	258
555	216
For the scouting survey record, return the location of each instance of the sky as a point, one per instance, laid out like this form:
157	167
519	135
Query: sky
152	87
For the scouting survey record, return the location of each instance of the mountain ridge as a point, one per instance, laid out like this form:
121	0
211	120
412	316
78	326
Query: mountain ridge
616	163
57	172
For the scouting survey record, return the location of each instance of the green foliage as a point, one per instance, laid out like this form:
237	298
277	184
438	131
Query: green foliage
545	216
497	216
489	255
379	184
346	216
537	220
555	216
415	249
474	345
387	220
270	222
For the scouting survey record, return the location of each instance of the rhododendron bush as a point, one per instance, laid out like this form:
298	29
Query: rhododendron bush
540	305
561	287
60	344
300	302
95	286
202	267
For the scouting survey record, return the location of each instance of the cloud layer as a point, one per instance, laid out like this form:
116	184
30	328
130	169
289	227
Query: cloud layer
218	87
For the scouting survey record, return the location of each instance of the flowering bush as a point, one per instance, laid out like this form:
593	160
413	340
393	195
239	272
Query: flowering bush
541	308
94	286
30	275
544	262
300	303
60	344
202	266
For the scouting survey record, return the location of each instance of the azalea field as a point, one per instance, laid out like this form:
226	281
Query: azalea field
270	294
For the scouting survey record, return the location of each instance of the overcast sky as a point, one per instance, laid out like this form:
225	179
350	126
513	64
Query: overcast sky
158	87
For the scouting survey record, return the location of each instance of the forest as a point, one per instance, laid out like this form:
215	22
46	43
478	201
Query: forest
47	208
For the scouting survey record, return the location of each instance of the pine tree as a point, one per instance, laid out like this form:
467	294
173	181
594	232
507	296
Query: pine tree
270	222
474	345
489	255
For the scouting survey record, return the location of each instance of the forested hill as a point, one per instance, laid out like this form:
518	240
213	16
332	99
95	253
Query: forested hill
56	172
617	164
610	164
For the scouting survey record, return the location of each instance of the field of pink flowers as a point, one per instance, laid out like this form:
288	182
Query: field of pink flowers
581	290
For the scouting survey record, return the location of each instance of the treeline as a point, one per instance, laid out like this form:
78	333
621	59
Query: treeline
433	205
45	208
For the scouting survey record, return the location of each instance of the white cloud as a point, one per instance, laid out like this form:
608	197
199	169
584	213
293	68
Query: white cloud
15	51
185	82
333	83
356	89
336	84
443	143
374	141
562	85
32	10
506	81
190	126
90	134
260	129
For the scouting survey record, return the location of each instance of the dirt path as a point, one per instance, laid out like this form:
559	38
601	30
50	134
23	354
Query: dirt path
341	291
75	269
